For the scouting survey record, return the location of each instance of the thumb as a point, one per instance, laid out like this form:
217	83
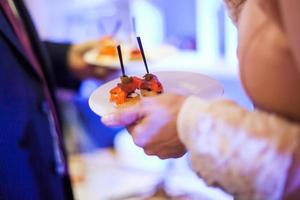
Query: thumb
122	117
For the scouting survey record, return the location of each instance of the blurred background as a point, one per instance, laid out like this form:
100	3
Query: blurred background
206	42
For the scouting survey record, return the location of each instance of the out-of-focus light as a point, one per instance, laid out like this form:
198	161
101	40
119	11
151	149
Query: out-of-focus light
207	29
149	22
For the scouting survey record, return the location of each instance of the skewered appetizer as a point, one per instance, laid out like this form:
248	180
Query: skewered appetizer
108	43
135	55
151	86
107	47
125	93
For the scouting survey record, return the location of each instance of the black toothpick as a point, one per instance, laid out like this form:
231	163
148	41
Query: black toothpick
121	60
142	52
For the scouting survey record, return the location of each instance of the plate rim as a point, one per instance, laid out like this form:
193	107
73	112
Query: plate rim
92	104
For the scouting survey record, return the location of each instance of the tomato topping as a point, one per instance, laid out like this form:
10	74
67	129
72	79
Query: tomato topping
127	86
151	83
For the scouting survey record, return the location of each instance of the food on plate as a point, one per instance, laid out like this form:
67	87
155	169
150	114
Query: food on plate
107	47
106	39
135	55
150	85
128	91
125	93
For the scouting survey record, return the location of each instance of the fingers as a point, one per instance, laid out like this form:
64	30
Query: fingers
152	127
165	149
166	155
123	117
143	133
156	138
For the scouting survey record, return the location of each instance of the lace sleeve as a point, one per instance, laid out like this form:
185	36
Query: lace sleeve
234	9
248	154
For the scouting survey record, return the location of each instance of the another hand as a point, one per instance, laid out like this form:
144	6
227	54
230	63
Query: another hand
152	124
83	70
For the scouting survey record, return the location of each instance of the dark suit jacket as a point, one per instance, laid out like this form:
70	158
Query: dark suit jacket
27	162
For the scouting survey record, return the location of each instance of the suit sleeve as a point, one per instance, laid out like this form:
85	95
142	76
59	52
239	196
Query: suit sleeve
248	154
58	56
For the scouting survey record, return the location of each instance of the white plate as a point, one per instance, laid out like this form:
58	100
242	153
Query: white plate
186	83
157	53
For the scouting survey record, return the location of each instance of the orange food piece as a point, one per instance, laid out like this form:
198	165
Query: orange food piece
135	54
120	93
137	81
117	95
151	83
108	51
105	39
107	46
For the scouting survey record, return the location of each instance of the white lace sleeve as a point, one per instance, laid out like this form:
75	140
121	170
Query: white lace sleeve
248	154
234	8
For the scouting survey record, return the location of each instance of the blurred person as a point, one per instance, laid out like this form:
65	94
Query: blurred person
33	162
250	154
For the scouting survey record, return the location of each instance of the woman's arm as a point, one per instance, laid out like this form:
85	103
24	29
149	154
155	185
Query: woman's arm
249	154
234	9
290	11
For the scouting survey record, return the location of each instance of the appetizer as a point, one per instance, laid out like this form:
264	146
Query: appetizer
107	47
150	86
125	93
108	43
135	55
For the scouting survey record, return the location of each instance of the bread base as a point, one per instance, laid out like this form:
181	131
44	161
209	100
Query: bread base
146	93
129	102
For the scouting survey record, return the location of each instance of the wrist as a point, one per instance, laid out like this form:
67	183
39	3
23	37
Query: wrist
187	117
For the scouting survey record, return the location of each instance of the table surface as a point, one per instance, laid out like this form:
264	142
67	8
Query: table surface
108	174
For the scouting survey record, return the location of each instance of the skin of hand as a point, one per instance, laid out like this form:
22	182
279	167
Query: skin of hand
83	70
152	124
